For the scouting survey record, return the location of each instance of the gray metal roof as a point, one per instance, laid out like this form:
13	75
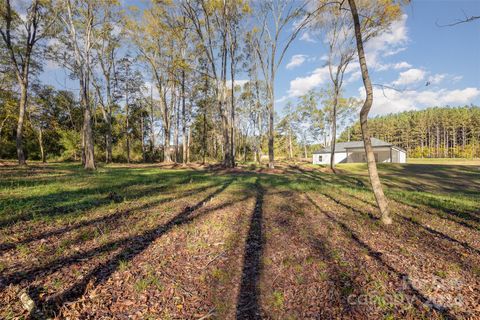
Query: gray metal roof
341	146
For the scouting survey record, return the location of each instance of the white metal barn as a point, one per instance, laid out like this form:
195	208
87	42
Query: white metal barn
354	152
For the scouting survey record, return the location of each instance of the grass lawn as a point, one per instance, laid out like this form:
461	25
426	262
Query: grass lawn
166	242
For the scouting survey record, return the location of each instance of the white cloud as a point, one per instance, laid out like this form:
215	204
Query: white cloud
391	101
388	43
402	65
410	76
238	82
437	78
302	85
296	61
306	36
354	77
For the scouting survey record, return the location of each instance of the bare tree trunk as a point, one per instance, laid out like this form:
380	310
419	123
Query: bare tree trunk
152	126
166	145
142	128
232	121
334	129
259	141
40	143
188	144
204	147
21	118
372	166
108	141
271	111
176	131
127	131
184	122
88	139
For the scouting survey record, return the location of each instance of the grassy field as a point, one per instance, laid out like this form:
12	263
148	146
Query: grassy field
167	242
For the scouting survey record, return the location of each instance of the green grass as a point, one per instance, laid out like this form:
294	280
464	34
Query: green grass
134	199
65	191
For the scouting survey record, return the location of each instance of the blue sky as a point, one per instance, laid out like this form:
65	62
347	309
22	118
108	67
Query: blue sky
413	52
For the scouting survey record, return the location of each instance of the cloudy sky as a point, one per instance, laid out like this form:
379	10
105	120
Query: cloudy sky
415	51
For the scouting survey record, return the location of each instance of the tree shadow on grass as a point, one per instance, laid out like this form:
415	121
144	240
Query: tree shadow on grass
51	267
112	219
132	246
461	217
81	200
444	311
425	228
339	281
248	305
430	236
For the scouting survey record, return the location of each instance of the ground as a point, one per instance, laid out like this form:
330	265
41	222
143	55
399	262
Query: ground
298	242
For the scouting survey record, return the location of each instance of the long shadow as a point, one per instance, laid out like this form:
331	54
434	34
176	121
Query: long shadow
434	232
136	245
354	182
42	205
339	277
51	267
450	215
248	306
468	216
431	244
446	313
109	218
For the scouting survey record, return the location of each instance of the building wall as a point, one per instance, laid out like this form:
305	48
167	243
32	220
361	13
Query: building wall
324	158
403	157
358	156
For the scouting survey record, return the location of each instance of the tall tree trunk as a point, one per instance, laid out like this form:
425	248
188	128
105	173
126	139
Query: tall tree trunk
142	129
188	144
21	119
176	131
372	166
204	144
184	122
40	143
89	155
271	114
166	145
232	110
151	117
334	127
108	141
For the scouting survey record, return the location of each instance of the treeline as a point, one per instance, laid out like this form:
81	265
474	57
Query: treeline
169	80
438	132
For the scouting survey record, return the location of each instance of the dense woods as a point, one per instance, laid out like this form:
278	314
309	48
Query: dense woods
191	81
438	132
